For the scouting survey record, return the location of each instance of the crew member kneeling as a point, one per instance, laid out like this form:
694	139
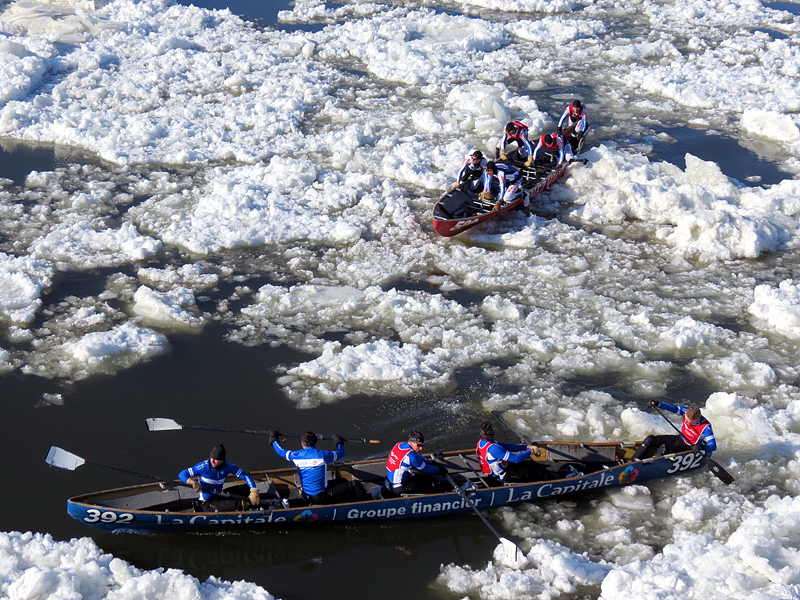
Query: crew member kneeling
696	433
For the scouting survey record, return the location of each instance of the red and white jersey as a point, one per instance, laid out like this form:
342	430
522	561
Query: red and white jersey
573	115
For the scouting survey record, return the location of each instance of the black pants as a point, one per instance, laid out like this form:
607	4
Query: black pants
527	470
338	491
422	483
671	443
221	504
472	180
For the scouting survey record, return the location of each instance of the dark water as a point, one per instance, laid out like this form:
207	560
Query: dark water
734	159
263	12
792	7
17	160
210	382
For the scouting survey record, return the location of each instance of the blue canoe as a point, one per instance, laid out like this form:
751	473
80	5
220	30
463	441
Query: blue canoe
573	468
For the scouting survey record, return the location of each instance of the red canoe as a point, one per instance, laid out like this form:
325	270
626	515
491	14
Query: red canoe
458	210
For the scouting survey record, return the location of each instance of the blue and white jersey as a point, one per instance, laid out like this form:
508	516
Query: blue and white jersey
310	464
212	479
519	135
498	183
401	460
692	433
570	115
495	456
563	150
469	170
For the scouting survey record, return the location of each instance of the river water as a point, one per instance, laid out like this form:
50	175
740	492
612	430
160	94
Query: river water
633	279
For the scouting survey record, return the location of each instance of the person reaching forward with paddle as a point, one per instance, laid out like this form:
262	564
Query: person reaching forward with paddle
504	462
408	472
696	433
207	478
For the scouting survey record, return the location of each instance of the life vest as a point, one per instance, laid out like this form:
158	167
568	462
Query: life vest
553	146
482	450
396	456
691	432
575	113
520	129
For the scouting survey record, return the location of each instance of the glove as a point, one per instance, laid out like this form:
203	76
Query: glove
273	435
195	484
655	403
698	447
503	155
496	206
456	185
254	497
337	439
529	161
442	470
486	196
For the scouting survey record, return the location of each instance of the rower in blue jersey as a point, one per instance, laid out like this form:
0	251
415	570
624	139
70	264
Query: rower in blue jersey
696	434
408	472
312	471
515	131
501	184
207	478
504	462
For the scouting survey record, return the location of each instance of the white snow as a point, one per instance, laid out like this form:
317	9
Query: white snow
216	151
34	566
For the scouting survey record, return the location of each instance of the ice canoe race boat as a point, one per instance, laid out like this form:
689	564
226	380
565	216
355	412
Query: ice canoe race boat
459	210
572	468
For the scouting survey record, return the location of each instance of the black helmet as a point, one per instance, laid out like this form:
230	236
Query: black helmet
548	139
576	103
490	166
477	154
510	127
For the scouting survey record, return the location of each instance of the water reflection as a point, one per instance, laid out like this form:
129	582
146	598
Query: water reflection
292	563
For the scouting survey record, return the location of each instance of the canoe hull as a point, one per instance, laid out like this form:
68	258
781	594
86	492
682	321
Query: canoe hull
98	509
448	222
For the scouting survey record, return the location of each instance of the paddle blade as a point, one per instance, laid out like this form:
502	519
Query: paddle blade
56	457
721	473
513	553
162	424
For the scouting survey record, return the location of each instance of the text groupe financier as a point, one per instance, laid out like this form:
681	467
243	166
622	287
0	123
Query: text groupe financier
542	491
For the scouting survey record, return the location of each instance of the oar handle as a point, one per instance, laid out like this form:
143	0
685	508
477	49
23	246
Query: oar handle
667	420
282	433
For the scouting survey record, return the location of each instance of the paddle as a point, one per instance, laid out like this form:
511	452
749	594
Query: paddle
712	465
157	424
525	440
438	456
57	457
512	550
